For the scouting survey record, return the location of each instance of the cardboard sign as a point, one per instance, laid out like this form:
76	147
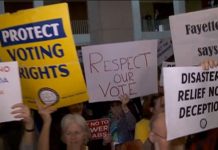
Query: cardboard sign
165	50
99	128
194	36
40	39
114	69
191	100
10	90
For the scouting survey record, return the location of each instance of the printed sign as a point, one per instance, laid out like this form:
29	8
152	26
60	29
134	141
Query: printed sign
10	91
191	100
99	128
40	39
164	51
114	69
165	64
194	36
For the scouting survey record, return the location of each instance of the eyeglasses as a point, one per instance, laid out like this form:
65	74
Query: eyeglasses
76	133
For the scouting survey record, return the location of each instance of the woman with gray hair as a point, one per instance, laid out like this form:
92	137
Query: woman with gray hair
75	132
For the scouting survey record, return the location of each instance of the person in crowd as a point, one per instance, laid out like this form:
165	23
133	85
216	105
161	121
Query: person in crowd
142	127
45	113
19	134
22	112
135	106
152	105
55	129
207	140
158	132
122	123
97	111
76	108
75	131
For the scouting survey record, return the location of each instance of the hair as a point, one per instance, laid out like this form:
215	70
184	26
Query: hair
146	107
76	108
78	119
115	103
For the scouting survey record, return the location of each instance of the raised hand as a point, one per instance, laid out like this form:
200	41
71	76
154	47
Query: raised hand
45	111
209	63
125	100
23	112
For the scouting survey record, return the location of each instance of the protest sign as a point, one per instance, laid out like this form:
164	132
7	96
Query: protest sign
194	36
114	69
99	128
10	90
165	64
191	100
40	39
164	51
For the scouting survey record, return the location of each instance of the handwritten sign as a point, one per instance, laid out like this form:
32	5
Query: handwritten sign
40	39
194	36
114	69
99	128
191	100
10	91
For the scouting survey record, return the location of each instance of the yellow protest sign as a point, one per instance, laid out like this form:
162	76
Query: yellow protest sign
41	40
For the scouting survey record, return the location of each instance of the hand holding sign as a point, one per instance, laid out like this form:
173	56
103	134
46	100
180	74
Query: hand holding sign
45	111
21	111
10	92
209	63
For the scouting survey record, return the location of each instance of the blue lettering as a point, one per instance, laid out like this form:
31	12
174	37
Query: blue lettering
36	53
44	72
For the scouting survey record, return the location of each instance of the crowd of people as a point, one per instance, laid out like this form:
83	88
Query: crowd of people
132	126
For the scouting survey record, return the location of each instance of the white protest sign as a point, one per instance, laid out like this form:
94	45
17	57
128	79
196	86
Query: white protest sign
10	91
194	36
164	51
114	69
165	64
191	100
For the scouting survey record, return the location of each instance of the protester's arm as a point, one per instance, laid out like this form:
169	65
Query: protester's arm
124	100
130	119
23	112
45	113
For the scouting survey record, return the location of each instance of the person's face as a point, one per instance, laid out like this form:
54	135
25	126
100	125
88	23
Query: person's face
74	135
116	110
